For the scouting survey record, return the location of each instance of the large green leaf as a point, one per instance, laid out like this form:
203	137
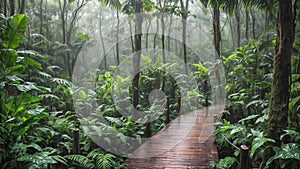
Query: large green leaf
285	152
31	62
294	134
27	86
249	118
257	143
22	127
8	58
14	31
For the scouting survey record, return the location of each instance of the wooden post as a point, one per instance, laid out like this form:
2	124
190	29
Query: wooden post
244	157
76	145
205	88
148	127
168	111
179	105
197	103
215	118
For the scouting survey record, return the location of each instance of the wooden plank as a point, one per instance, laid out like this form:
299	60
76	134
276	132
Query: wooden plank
185	142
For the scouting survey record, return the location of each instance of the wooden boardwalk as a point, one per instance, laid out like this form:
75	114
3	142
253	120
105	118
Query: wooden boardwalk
186	142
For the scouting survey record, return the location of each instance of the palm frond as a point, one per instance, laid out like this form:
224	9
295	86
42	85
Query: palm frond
81	160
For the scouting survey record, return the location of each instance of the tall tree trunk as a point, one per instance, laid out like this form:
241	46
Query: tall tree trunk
62	8
41	17
232	32
163	28
247	24
163	50
184	15
217	42
48	28
252	12
102	41
217	32
12	6
22	7
279	101
156	32
147	34
137	56
238	26
117	45
169	33
131	36
5	8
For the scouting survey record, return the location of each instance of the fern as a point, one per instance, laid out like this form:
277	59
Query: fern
95	159
81	160
104	161
43	158
62	82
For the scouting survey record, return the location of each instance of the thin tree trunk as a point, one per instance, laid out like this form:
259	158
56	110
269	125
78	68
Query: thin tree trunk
48	31
117	45
131	36
80	5
279	101
217	43
62	10
217	32
102	41
184	14
238	27
253	23
41	17
63	22
12	6
22	7
156	32
231	32
169	33
147	34
5	7
247	24
137	56
163	50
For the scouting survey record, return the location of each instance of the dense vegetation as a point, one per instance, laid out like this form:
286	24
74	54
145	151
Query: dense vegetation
42	42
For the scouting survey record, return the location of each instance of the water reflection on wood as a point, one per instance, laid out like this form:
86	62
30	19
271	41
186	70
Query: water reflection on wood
185	142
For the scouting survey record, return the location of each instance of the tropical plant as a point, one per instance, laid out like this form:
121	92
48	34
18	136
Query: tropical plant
95	159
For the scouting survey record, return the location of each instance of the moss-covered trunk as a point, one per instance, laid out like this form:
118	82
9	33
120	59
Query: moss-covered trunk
278	114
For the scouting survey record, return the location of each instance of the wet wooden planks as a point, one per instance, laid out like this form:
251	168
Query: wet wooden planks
186	142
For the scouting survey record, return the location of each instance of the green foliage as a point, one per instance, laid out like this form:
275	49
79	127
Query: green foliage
14	31
95	159
294	135
248	86
26	139
36	109
285	154
258	143
43	158
226	162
